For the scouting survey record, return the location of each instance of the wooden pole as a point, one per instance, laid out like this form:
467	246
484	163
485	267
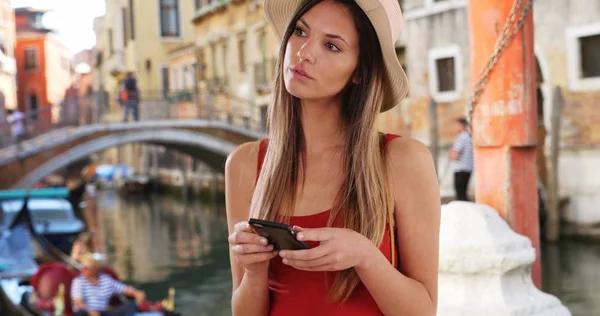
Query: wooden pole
553	224
433	133
505	121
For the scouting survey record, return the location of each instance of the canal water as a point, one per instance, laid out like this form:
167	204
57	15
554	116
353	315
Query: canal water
159	242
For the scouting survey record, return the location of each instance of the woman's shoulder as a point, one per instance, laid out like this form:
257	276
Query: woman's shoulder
243	156
407	156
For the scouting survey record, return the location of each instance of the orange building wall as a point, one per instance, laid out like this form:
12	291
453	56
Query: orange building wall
33	81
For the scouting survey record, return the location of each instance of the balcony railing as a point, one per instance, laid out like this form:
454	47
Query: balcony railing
264	73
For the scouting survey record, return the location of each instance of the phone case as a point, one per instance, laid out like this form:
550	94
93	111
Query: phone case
281	236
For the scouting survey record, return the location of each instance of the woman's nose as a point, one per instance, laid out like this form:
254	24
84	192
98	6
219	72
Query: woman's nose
306	52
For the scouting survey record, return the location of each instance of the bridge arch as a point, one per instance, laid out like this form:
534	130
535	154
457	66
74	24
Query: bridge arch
212	150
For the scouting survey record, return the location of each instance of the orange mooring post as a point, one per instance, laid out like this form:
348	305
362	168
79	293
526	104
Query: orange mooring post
504	121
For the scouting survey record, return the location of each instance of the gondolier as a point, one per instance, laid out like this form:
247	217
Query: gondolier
92	290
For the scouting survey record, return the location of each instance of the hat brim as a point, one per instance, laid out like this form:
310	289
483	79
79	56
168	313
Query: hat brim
280	12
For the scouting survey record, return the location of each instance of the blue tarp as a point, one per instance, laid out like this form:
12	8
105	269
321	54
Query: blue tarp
108	172
16	252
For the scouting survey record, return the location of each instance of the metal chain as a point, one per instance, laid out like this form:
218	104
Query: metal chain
502	42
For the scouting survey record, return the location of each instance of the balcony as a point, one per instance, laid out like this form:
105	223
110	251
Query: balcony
218	84
210	8
8	65
264	73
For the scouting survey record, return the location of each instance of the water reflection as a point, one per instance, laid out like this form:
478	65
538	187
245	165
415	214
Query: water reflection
572	273
158	242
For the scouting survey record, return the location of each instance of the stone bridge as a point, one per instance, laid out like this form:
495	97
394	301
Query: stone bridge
207	140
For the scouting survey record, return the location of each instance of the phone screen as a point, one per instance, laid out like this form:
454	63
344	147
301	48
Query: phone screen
281	236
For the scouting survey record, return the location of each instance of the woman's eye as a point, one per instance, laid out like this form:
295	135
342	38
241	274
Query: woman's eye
299	31
332	47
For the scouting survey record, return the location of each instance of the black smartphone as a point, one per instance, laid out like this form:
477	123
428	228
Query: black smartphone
281	236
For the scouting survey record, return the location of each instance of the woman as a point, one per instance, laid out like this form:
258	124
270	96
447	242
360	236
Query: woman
337	71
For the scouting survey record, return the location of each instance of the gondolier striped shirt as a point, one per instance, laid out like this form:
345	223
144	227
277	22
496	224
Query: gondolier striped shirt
463	144
96	297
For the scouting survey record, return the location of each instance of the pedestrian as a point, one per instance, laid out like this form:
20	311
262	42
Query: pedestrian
17	127
462	155
129	94
374	251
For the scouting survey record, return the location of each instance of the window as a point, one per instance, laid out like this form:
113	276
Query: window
32	99
213	57
30	59
262	42
169	18
185	78
164	80
125	28
583	45
200	69
225	68
445	73
260	69
175	80
131	21
198	4
111	48
242	52
35	20
590	57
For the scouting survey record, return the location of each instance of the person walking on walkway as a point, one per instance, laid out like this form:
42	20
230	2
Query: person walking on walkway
17	127
462	154
130	96
374	250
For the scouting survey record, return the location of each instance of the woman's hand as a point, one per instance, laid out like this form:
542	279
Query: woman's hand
250	249
340	249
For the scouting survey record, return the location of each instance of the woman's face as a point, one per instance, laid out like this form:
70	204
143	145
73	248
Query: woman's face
322	53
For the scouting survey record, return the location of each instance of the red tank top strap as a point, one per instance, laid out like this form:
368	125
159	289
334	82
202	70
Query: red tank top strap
388	138
262	151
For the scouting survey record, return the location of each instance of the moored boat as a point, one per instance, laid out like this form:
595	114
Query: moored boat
29	289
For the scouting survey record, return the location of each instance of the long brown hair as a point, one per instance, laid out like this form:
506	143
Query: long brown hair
362	202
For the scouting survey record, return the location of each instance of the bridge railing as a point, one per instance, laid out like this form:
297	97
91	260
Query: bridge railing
212	105
38	122
215	105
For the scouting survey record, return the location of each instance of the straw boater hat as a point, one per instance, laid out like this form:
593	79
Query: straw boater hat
95	259
386	17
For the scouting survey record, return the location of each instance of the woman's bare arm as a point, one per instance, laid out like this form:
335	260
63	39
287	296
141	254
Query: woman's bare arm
413	182
250	295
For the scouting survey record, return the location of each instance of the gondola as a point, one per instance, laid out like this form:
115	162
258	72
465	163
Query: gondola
28	287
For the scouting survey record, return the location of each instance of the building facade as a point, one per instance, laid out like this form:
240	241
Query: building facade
43	68
8	66
567	41
137	36
236	52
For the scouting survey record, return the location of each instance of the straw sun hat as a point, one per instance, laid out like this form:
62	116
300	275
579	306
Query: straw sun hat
386	17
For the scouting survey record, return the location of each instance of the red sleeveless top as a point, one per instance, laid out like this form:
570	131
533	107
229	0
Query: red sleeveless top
299	293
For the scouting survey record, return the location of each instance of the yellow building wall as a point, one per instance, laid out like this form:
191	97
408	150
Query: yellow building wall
8	86
103	45
149	52
58	72
181	69
219	34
